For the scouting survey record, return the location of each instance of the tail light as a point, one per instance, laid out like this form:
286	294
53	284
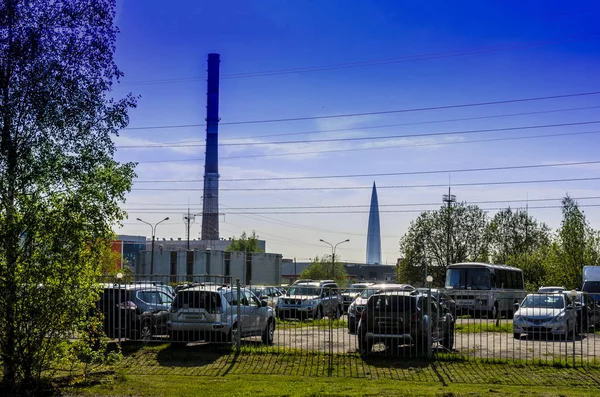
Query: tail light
127	305
363	315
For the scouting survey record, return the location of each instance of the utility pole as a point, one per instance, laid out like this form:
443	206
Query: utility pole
449	199
188	219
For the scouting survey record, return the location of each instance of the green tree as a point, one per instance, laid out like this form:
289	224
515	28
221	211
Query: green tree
59	185
245	243
512	233
320	269
426	241
576	246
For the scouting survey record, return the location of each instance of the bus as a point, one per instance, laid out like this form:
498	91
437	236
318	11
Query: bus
484	288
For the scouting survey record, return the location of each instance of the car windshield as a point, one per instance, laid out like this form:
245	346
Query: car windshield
354	290
544	301
370	291
591	286
257	290
303	291
468	278
396	303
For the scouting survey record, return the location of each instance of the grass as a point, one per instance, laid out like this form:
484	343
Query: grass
475	327
166	370
322	323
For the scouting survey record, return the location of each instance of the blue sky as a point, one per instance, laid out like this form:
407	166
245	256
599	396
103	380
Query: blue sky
419	55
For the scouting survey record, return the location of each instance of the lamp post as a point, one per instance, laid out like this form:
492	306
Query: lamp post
333	247
153	236
429	280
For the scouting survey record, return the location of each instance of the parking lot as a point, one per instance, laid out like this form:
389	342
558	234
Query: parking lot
491	345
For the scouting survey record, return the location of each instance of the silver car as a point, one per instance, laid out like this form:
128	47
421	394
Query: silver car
547	314
210	313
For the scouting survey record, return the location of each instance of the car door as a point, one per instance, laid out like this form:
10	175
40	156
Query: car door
253	321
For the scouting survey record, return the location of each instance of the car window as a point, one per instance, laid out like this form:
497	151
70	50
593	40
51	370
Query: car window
250	299
232	298
149	297
165	298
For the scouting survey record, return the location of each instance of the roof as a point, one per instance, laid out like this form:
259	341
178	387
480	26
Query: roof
481	264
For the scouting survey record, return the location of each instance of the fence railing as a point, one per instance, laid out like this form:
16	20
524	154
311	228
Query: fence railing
318	319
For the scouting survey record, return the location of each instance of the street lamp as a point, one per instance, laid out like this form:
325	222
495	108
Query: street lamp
153	236
333	247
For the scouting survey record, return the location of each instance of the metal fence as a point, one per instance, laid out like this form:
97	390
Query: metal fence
314	319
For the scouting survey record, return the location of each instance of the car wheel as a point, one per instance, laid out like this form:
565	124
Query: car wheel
319	314
448	342
269	333
234	335
351	327
338	313
364	346
146	331
517	335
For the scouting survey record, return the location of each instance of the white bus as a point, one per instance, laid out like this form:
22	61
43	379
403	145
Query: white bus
485	288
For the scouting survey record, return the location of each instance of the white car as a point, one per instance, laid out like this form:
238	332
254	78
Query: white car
543	313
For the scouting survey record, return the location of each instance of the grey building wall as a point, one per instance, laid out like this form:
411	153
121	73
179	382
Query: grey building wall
196	265
355	271
181	244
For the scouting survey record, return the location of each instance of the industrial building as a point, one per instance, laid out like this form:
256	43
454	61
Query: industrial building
209	265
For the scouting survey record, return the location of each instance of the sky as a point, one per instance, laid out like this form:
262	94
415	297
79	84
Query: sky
314	59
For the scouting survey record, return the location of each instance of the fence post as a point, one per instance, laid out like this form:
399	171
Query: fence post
429	279
239	322
329	372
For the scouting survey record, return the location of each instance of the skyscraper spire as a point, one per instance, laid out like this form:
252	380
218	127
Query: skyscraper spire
373	231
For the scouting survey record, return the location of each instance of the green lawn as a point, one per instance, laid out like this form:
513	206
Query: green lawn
165	370
323	323
484	326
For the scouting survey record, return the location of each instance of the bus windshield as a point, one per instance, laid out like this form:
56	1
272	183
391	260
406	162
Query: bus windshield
468	278
591	286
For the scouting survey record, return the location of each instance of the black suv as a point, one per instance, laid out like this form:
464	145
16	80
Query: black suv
398	318
134	311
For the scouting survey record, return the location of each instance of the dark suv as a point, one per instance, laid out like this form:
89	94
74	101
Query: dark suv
134	311
398	318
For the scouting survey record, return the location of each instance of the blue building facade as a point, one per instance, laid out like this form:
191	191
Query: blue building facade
373	231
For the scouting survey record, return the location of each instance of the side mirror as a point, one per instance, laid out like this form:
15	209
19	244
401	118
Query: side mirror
515	307
264	303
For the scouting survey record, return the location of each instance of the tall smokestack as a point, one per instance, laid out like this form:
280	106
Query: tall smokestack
210	199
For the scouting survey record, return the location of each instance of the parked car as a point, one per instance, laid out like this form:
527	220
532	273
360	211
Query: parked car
271	294
209	313
356	307
551	289
586	309
544	313
134	311
310	299
442	297
400	317
352	292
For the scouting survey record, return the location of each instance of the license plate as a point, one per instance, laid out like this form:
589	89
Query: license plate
199	316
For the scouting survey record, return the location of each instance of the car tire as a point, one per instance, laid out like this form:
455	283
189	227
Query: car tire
319	314
364	346
516	335
145	333
337	313
233	336
351	327
268	334
448	342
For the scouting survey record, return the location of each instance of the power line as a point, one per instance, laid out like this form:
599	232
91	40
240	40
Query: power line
410	58
539	136
362	128
444	171
369	138
443	107
383	187
329	212
163	205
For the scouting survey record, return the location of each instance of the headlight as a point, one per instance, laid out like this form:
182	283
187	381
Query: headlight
558	319
308	302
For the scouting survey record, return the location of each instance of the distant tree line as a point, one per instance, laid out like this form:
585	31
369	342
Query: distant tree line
511	237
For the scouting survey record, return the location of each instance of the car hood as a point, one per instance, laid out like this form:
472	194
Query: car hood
538	312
